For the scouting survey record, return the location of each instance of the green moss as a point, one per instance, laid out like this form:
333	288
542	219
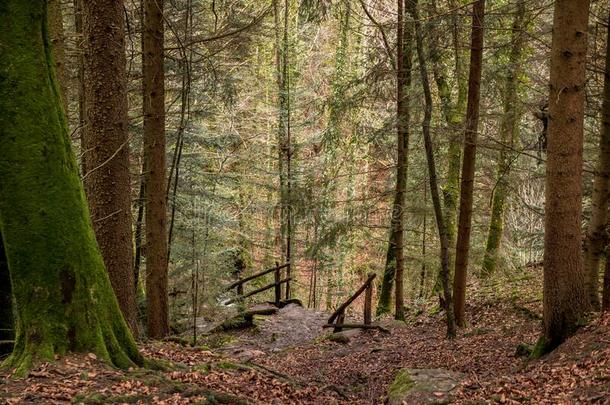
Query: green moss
63	298
220	340
496	225
400	387
227	365
384	305
540	348
89	399
338	338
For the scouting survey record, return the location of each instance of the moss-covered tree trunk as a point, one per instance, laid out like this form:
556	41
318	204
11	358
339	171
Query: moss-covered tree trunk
453	110
509	134
63	298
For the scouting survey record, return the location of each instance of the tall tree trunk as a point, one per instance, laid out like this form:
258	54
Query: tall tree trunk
45	225
509	134
282	121
565	298
285	149
453	113
436	199
154	162
288	151
394	265
56	35
596	235
107	145
469	161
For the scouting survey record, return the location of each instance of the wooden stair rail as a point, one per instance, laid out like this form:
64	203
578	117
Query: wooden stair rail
239	284
339	314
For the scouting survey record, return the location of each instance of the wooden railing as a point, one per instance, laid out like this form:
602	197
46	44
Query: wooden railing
337	319
277	284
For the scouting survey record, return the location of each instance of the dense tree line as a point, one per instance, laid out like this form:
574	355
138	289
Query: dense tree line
152	152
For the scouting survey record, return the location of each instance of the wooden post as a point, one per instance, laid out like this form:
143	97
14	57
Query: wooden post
340	321
368	302
288	271
278	286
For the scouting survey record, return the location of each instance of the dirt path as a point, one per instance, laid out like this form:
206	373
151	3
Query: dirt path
291	326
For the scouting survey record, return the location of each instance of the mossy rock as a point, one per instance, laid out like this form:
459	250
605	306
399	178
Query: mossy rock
338	338
423	386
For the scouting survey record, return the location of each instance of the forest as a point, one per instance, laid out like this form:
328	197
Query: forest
304	201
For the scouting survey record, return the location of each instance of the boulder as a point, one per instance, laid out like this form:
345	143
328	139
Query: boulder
423	386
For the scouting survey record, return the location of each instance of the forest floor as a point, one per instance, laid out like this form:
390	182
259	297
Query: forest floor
287	358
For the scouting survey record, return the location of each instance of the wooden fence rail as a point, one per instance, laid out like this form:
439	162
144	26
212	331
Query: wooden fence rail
277	284
337	319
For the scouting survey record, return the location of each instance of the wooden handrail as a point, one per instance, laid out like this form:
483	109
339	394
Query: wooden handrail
346	304
257	275
265	288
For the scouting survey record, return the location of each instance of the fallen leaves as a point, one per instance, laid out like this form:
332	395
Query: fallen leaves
285	368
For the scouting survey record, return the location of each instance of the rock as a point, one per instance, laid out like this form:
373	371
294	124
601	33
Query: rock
338	338
345	336
423	386
248	354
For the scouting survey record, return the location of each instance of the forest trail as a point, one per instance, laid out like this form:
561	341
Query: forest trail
287	359
291	326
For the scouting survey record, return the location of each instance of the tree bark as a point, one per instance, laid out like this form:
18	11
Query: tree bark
597	237
154	163
394	267
468	162
107	145
80	62
434	189
44	221
56	35
509	134
453	113
565	299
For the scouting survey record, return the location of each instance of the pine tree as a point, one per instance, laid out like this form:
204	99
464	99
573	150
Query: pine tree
565	299
394	265
468	162
107	180
154	164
